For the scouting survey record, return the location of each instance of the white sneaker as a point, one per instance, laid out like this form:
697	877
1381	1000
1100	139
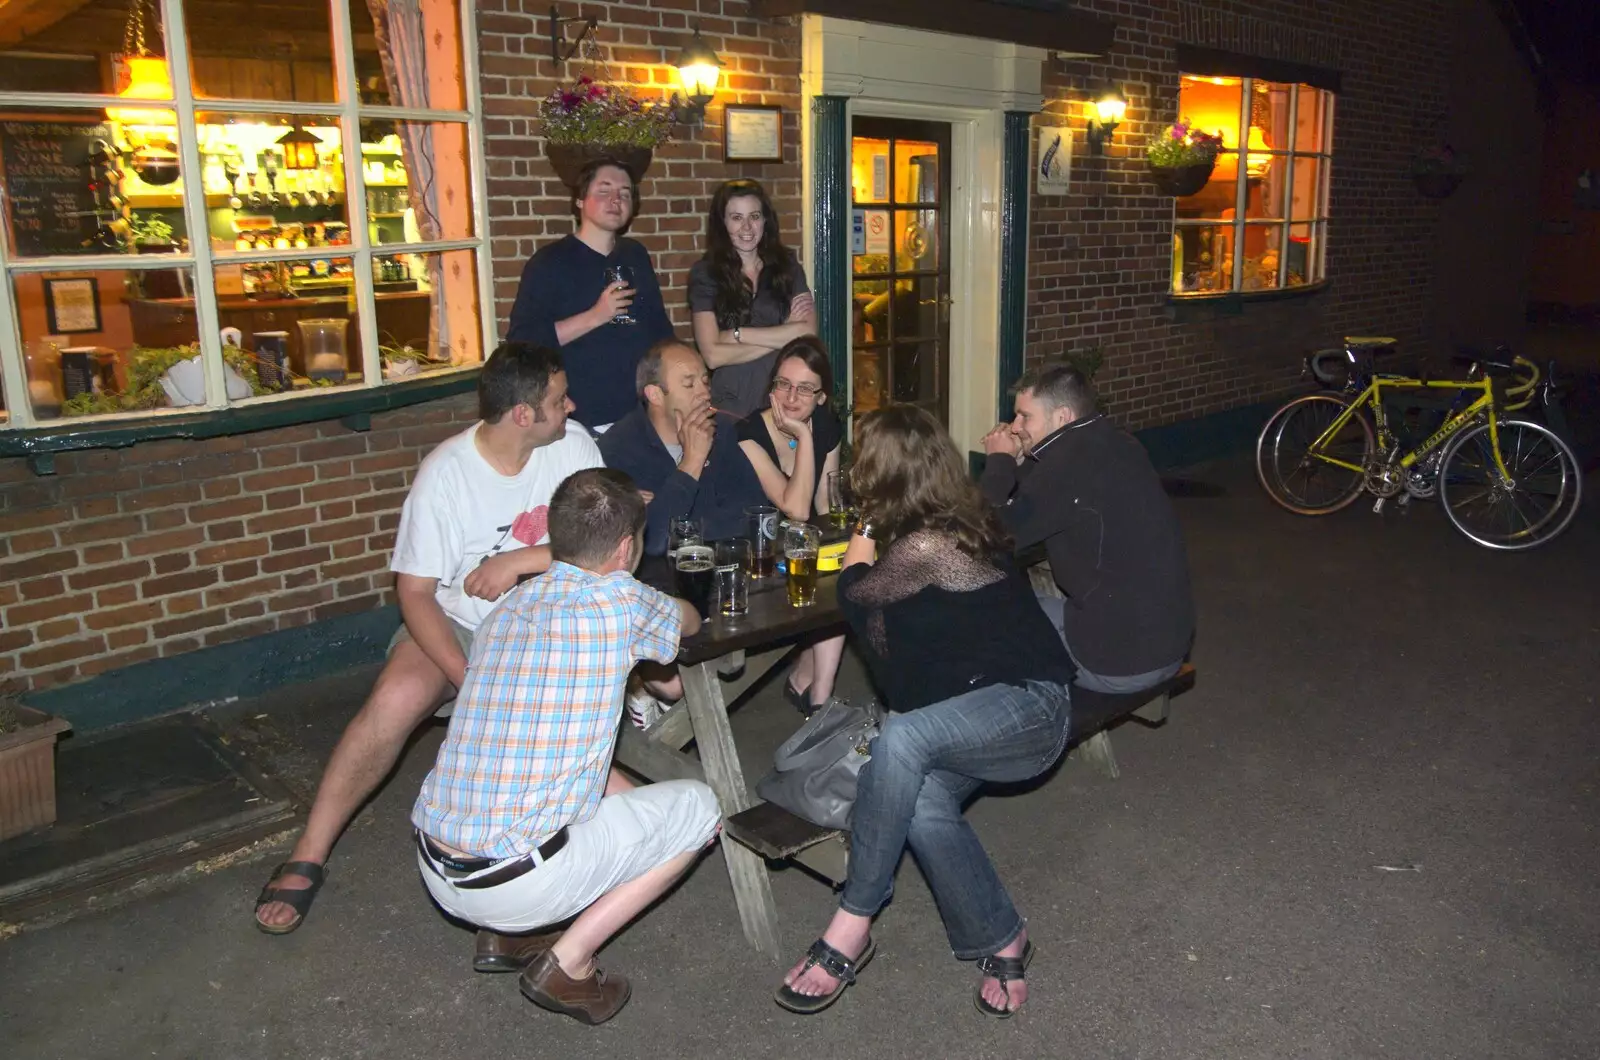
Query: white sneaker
644	709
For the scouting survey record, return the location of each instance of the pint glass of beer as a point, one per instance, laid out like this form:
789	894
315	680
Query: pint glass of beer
764	543
696	566
800	554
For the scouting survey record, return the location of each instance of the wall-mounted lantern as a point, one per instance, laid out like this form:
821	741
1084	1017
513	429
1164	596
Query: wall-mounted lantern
1106	114
699	72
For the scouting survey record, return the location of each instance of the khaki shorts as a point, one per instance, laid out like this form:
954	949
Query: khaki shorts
631	833
464	638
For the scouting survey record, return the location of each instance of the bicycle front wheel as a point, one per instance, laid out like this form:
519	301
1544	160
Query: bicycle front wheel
1531	506
1304	476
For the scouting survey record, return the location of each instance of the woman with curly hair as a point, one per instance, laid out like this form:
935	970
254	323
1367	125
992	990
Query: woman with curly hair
748	297
976	682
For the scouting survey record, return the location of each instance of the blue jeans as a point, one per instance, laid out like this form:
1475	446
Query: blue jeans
925	763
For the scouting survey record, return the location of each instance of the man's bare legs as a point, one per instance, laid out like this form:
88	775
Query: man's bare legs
408	690
576	948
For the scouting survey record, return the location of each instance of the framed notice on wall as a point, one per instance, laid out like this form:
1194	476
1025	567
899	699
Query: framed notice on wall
72	306
1053	171
752	133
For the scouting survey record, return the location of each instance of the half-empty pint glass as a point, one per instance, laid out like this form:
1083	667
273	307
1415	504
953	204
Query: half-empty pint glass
800	555
733	577
764	543
841	502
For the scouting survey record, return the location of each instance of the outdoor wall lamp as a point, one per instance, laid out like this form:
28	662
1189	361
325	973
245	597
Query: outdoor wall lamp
1108	111
562	49
699	71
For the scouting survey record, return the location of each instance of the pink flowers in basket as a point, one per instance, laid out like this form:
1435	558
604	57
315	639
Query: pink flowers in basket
592	112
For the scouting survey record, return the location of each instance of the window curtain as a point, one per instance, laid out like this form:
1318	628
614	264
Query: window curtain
402	47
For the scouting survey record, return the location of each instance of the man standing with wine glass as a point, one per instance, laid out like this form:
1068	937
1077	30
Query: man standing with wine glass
595	296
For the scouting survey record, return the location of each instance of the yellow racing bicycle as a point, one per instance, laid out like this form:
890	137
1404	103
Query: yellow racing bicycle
1507	482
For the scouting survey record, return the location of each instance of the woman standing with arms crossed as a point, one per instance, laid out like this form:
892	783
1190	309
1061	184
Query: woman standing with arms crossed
976	681
748	297
793	445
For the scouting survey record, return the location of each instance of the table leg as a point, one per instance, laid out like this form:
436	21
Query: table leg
752	891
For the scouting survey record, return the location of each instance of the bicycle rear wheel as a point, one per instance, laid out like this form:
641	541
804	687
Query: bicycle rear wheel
1534	506
1305	481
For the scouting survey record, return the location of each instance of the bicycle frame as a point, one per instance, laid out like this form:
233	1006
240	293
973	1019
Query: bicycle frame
1373	396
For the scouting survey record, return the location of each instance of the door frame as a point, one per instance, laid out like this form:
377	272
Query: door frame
969	83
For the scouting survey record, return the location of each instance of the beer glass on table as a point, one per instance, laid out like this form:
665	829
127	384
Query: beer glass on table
696	567
684	530
841	501
733	577
764	543
800	545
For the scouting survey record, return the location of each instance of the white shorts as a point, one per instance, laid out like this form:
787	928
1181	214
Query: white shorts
631	833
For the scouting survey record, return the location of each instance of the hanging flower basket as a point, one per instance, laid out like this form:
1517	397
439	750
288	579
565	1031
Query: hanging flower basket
1182	180
591	120
1181	158
1436	185
568	160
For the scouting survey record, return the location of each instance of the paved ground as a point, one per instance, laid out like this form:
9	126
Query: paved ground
1370	831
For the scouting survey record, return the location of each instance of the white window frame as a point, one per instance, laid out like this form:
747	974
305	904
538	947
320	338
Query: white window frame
1318	222
201	258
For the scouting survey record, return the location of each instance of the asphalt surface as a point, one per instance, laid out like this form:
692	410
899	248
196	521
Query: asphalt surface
1370	831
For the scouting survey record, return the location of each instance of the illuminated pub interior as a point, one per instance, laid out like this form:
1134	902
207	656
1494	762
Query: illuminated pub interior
274	173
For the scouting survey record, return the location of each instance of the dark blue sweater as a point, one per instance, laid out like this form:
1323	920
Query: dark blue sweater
719	497
564	279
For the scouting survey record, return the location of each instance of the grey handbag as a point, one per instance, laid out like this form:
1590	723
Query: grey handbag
814	773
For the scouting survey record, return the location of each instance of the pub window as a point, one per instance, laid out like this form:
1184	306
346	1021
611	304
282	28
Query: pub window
1261	222
212	203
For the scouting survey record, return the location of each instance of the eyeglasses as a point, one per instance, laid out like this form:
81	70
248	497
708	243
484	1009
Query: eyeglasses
805	390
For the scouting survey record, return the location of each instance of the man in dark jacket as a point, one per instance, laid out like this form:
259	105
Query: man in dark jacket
1064	474
675	446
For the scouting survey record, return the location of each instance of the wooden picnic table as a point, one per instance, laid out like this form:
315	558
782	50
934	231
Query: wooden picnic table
746	648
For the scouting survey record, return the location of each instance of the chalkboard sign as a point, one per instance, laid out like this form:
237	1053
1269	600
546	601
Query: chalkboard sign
48	175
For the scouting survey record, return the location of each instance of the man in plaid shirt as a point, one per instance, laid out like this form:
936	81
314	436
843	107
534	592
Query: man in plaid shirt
522	823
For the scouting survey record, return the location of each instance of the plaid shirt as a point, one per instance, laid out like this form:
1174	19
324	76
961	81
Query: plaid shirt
535	724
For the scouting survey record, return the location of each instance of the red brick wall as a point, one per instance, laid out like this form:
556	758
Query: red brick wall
529	207
132	554
1100	258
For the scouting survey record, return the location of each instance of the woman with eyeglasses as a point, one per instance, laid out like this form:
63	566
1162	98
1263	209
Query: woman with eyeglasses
748	297
793	444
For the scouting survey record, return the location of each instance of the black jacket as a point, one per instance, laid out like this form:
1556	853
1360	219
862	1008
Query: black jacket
1089	492
718	497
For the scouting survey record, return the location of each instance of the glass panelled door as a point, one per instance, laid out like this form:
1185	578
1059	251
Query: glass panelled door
900	264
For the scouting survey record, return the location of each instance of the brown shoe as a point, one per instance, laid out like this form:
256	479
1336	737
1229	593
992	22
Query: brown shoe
591	1000
509	953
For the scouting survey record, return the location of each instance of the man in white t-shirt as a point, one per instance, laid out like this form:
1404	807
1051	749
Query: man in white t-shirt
473	525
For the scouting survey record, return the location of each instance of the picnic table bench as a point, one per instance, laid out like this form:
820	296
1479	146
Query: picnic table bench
723	662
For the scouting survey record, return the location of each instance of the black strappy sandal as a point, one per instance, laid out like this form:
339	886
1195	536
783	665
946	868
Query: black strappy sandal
799	700
298	899
835	964
1007	970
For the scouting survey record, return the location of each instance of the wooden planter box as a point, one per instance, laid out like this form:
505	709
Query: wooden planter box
28	773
